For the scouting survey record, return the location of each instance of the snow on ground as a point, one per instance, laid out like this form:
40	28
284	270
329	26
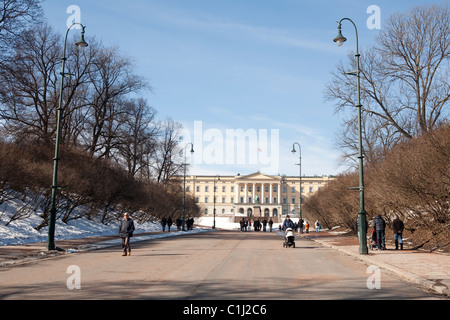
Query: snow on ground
23	231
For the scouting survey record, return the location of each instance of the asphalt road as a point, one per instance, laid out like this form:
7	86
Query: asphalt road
209	265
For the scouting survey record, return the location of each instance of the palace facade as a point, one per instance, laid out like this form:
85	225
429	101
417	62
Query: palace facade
253	195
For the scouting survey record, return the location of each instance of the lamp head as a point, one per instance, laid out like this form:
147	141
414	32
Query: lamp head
293	150
82	43
192	148
339	39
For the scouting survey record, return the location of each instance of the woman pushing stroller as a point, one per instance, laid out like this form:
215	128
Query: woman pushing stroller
288	225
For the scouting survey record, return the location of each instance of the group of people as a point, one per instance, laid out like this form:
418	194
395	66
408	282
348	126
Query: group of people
246	225
126	229
179	222
303	225
378	236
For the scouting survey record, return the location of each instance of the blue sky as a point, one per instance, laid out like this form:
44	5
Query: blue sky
259	66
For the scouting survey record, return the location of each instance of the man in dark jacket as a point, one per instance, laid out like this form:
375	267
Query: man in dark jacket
126	229
398	227
380	227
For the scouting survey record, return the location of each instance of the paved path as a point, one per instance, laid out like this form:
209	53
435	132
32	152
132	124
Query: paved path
208	265
428	270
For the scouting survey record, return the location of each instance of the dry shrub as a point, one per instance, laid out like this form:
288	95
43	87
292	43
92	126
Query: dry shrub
413	181
98	187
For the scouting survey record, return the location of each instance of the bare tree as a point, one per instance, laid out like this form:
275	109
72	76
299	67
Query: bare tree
15	17
404	78
168	157
29	92
111	79
137	135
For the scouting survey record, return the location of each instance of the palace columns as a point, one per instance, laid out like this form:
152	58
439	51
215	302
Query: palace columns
270	192
245	192
262	193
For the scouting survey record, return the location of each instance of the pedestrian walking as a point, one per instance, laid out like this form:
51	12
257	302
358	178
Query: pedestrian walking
264	225
126	229
163	223
307	227
380	226
270	225
317	226
179	222
190	223
300	225
169	223
398	227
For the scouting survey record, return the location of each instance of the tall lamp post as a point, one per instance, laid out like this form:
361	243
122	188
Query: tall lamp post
52	218
340	39
184	184
214	212
300	174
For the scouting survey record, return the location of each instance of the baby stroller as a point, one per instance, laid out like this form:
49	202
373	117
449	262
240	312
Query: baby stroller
373	240
289	238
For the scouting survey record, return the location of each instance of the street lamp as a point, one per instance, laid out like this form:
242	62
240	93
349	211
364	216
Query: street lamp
214	212
51	224
184	183
340	39
300	174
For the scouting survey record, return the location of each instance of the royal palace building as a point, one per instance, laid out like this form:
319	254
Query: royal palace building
253	195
